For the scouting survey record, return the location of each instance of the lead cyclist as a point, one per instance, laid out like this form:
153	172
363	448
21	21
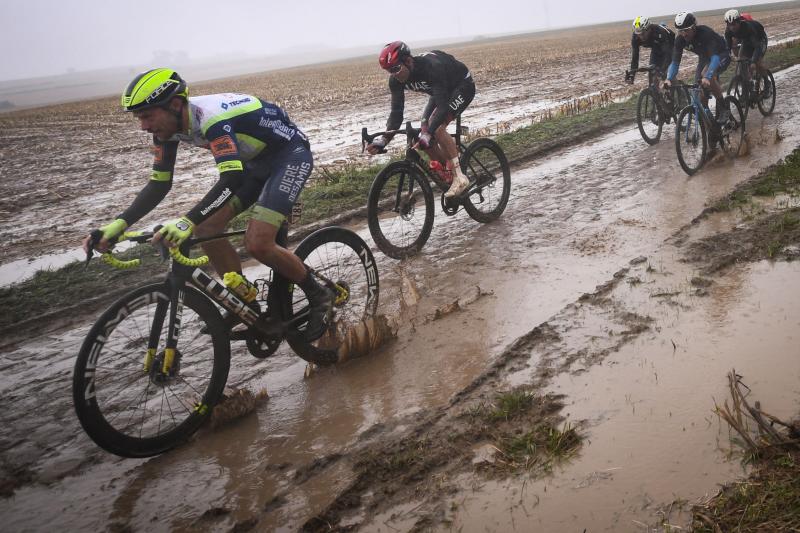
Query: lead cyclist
262	159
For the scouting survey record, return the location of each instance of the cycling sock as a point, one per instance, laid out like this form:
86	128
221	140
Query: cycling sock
455	165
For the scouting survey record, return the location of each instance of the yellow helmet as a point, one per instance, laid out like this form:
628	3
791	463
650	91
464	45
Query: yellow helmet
153	88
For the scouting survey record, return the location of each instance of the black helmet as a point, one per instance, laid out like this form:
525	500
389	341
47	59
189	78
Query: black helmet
684	20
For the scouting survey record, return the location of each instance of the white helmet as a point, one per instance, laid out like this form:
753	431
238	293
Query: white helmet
684	20
732	15
640	24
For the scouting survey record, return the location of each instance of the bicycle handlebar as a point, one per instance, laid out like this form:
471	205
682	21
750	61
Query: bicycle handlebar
140	237
367	138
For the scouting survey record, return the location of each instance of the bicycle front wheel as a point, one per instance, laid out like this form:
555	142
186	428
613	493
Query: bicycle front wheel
766	93
486	166
124	399
341	256
400	210
732	131
690	140
648	118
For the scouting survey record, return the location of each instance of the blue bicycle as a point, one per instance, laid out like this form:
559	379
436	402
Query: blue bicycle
697	131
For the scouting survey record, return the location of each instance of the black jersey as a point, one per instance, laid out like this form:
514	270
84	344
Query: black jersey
660	40
435	73
750	32
706	43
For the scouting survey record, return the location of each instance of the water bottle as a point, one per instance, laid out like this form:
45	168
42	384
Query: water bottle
442	171
239	285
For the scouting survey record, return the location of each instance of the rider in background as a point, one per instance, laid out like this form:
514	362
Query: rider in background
451	89
713	57
659	39
262	159
750	35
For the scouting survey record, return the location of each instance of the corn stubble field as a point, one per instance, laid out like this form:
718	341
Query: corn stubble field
68	168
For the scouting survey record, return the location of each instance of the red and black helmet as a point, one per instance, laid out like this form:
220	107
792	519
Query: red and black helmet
393	53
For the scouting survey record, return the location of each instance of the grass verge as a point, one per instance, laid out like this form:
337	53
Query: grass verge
769	499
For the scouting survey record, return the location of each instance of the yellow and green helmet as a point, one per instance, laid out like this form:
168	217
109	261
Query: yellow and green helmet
640	24
153	88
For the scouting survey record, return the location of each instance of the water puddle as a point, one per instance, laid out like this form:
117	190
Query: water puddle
652	438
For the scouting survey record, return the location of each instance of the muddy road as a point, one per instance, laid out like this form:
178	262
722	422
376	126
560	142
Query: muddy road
574	219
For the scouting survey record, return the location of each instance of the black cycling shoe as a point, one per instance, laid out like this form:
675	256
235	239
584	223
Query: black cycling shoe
320	313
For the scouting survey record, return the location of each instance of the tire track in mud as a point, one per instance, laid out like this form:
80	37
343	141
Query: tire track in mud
581	335
443	441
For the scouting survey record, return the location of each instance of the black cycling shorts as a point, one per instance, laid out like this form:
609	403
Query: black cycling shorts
274	182
754	53
460	98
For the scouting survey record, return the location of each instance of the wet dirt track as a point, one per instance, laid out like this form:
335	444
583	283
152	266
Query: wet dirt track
574	219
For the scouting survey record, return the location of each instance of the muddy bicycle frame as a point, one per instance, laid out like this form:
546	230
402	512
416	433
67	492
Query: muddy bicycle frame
184	270
412	155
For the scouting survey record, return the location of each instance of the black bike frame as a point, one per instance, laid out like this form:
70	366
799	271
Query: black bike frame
412	155
179	275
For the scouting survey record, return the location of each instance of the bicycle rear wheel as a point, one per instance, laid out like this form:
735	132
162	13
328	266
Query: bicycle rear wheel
732	132
690	140
344	258
400	210
124	400
765	88
486	166
648	118
737	89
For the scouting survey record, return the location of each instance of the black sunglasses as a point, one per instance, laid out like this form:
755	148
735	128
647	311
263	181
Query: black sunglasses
395	69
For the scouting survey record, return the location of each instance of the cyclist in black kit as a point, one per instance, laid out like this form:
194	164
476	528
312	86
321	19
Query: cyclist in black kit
659	39
713	57
750	34
451	89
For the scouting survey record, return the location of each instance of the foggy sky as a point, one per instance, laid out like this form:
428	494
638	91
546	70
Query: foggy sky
48	37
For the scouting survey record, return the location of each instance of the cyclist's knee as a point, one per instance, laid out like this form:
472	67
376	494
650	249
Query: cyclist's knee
260	246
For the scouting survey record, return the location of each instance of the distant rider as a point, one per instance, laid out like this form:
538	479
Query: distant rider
262	159
659	39
451	89
713	57
752	37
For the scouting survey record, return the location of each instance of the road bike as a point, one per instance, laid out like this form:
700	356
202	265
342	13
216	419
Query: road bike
400	205
696	130
155	363
655	105
756	91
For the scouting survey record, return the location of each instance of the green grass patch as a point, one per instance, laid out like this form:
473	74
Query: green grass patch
510	404
558	131
781	178
543	446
